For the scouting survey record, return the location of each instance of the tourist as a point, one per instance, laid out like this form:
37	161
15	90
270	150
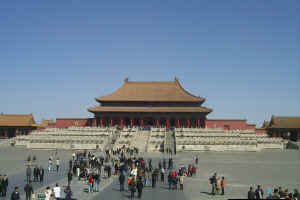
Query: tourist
5	186
122	181
153	179
139	186
15	194
296	194
28	174
57	164
259	193
276	194
28	190
96	182
218	186
1	186
181	181
90	184
48	193
50	164
251	193
213	182
41	174
68	193
70	176
162	175
170	180
223	182
290	197
132	187
57	192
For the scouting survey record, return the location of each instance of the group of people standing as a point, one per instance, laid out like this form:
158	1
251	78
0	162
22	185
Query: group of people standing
217	185
276	193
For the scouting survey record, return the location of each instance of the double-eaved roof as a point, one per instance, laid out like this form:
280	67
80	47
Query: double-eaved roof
154	92
16	120
168	91
284	122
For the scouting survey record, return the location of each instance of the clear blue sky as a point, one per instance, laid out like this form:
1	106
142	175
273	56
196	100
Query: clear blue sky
242	56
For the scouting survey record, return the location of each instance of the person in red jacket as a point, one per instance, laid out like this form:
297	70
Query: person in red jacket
90	183
223	182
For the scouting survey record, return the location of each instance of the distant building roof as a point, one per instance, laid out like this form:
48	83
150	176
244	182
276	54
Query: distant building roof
169	91
16	120
284	122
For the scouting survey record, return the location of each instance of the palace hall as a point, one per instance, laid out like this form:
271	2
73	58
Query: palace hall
157	104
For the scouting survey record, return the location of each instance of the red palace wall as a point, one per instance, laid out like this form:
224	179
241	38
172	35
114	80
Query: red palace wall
228	124
66	122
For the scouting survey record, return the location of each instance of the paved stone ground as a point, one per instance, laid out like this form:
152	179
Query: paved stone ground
241	169
12	163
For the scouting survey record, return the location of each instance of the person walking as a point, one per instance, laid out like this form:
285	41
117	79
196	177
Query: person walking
170	180
48	193
15	194
5	185
57	192
223	182
28	190
70	176
162	175
28	174
97	182
218	186
259	193
90	183
213	182
42	172
57	164
132	187
251	193
181	181
1	185
153	180
139	186
68	193
122	181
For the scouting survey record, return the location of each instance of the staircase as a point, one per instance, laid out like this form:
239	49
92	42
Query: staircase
170	141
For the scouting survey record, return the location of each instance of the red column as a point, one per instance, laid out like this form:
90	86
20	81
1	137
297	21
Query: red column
141	122
5	133
111	122
188	123
205	123
101	122
94	122
198	123
121	122
178	124
167	123
131	122
157	123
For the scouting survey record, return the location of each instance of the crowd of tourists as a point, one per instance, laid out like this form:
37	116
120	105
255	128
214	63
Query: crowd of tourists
276	193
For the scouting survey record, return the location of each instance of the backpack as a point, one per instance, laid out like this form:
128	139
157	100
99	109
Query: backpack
128	181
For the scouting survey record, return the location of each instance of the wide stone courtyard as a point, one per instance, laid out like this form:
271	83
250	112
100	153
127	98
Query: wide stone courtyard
241	169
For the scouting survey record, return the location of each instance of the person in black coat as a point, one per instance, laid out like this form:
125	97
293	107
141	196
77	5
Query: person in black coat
259	193
153	179
122	181
28	190
251	194
15	194
41	174
139	186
